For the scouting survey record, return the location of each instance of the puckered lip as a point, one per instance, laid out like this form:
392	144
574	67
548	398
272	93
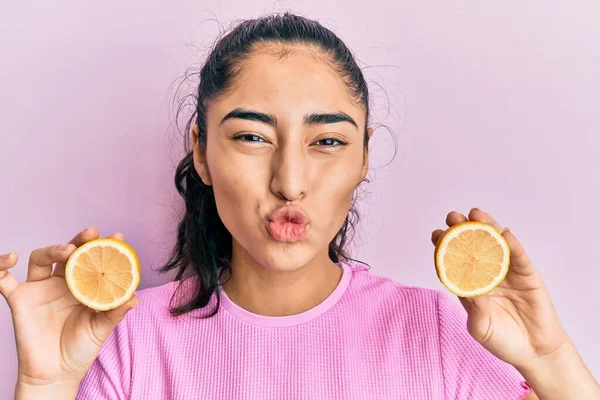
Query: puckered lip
291	213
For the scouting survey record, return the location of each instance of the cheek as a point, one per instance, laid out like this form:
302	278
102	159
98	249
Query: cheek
238	188
232	193
334	192
335	188
234	205
239	180
227	176
339	180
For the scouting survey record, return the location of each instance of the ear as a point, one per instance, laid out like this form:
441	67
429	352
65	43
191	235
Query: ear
365	167
199	152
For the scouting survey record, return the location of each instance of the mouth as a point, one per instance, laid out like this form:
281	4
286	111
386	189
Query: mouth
287	224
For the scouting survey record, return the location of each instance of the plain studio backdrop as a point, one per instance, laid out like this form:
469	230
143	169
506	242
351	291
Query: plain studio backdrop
492	105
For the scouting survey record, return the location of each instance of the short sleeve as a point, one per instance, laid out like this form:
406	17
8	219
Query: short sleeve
469	370
110	374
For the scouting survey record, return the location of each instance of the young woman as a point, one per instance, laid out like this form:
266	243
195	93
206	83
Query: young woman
267	304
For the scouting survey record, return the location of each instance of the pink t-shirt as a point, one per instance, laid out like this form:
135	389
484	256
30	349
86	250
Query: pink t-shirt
372	338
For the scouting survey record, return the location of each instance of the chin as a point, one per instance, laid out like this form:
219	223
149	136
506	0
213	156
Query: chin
284	256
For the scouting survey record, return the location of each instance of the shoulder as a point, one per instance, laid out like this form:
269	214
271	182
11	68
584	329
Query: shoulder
110	374
156	302
157	297
419	310
377	289
437	319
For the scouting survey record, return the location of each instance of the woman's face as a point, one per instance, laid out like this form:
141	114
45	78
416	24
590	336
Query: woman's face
278	139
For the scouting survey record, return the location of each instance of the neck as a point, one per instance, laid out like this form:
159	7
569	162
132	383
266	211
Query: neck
269	292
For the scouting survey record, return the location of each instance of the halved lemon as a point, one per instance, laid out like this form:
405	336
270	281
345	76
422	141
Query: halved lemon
471	258
103	273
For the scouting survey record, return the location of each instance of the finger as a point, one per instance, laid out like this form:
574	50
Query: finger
7	261
8	283
454	218
104	322
478	321
477	215
41	261
85	236
59	270
519	260
436	235
82	237
118	236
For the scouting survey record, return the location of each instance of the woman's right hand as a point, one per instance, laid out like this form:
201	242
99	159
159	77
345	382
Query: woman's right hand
57	337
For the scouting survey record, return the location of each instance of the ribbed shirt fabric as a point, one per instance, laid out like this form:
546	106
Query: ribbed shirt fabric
372	338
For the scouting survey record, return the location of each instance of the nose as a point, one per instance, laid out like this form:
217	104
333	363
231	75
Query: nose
290	173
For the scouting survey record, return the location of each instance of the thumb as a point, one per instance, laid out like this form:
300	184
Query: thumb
478	320
106	321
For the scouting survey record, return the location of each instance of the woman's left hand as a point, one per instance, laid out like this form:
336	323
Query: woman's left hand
517	321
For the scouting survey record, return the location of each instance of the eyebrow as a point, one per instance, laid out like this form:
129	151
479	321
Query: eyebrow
270	119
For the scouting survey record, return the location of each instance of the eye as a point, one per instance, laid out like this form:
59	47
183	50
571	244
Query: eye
249	137
331	142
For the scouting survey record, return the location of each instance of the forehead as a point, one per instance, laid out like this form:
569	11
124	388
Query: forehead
291	83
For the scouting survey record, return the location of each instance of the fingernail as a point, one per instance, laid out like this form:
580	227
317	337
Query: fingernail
6	256
90	228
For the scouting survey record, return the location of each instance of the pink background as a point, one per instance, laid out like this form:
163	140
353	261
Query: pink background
494	106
